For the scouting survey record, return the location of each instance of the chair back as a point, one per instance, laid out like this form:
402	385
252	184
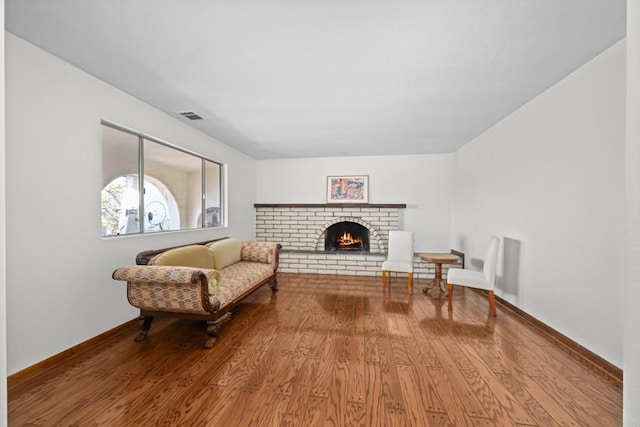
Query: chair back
400	246
491	261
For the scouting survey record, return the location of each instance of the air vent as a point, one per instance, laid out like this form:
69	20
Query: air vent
190	115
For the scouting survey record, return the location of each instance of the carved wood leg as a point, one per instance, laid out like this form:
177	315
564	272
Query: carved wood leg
144	323
274	285
213	328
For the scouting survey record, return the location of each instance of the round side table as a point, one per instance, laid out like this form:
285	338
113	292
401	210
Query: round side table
438	259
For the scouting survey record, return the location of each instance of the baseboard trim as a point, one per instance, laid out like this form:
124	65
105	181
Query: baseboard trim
23	376
592	361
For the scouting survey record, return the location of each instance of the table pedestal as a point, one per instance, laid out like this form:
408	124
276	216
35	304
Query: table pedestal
438	259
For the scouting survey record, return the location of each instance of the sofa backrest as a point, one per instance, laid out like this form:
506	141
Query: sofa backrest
225	252
197	256
147	257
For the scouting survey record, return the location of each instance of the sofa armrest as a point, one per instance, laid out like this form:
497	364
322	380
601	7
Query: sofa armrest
264	252
167	288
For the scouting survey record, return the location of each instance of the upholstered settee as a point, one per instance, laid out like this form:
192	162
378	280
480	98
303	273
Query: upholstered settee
201	281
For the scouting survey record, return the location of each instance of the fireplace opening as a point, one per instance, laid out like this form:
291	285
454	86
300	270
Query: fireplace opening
346	236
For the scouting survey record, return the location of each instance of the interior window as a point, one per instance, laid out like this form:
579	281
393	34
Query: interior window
178	186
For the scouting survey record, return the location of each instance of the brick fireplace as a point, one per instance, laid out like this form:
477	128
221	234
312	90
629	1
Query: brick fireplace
303	227
302	230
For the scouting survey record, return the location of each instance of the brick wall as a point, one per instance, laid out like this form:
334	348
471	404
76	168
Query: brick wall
301	229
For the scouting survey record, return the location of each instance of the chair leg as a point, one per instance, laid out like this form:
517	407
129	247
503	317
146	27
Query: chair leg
384	280
450	294
492	303
410	283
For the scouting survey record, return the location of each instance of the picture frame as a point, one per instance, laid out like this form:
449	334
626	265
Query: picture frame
348	189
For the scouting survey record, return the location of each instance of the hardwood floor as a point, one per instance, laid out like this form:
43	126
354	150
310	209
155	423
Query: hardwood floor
328	351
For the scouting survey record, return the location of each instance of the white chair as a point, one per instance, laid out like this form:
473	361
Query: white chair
399	257
484	279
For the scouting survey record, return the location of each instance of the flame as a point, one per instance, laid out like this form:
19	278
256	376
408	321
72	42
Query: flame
347	240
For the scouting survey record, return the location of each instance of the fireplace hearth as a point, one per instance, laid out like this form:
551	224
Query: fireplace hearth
346	236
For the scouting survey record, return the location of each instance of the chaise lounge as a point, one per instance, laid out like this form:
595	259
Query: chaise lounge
201	281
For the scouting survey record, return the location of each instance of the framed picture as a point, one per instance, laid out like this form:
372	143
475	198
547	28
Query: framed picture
348	189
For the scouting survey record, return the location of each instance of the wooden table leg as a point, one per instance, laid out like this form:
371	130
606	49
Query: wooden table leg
439	277
437	280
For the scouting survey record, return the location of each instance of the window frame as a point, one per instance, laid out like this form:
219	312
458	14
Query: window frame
222	184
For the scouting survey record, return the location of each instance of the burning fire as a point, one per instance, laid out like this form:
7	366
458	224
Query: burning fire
348	240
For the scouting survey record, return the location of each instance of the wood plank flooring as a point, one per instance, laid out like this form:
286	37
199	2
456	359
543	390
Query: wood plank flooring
328	351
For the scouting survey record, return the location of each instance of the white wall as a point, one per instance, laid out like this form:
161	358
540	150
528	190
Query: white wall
549	178
3	252
631	368
423	182
59	286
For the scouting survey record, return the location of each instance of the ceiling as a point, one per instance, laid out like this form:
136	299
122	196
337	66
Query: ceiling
309	78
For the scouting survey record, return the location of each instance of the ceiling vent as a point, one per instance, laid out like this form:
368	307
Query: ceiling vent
190	115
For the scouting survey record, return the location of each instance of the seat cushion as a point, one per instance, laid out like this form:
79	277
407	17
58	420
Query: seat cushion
470	278
238	278
401	266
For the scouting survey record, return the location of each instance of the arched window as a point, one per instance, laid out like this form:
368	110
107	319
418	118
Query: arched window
120	207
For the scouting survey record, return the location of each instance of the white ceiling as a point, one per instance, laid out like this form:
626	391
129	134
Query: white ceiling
313	78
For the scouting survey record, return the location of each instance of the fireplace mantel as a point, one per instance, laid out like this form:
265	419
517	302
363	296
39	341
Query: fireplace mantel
331	205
